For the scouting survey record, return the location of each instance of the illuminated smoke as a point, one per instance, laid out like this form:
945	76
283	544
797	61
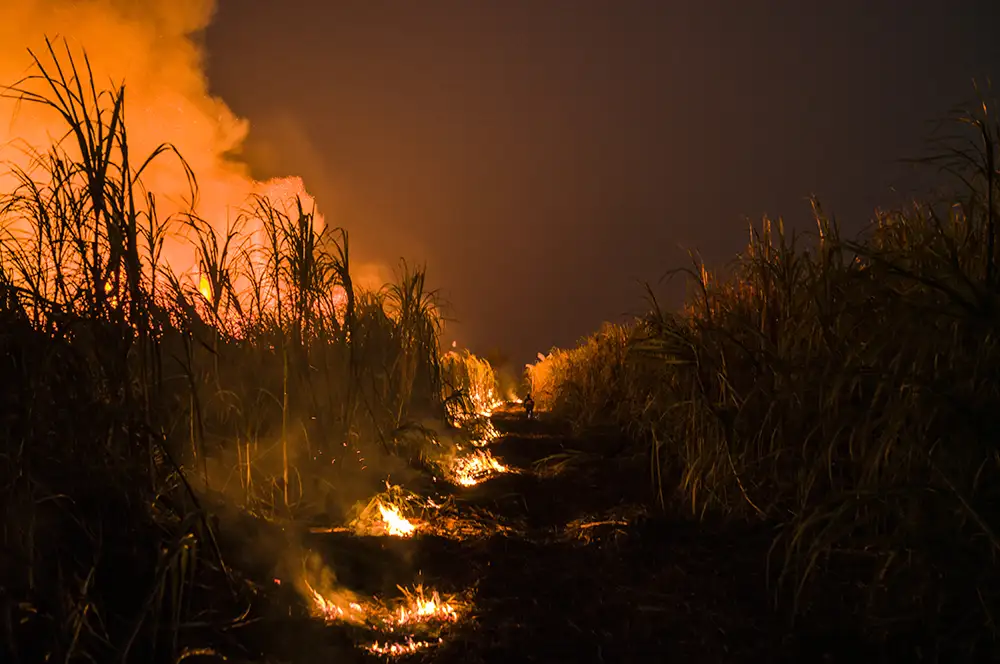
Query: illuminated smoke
152	46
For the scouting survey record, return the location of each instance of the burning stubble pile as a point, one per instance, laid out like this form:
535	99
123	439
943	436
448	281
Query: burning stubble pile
412	624
420	618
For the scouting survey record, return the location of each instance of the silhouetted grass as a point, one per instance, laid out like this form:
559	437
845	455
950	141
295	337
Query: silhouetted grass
845	392
132	395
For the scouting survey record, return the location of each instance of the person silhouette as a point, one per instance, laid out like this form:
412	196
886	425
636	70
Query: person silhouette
529	406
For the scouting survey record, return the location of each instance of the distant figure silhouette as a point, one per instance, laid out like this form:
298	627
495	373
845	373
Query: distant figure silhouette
529	406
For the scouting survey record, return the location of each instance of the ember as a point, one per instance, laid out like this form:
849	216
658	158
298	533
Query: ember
407	647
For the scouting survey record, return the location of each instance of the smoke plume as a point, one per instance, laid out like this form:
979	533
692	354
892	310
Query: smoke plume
153	48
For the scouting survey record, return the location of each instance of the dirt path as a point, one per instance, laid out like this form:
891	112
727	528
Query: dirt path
586	576
578	573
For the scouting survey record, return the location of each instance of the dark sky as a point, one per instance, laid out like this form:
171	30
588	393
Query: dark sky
544	157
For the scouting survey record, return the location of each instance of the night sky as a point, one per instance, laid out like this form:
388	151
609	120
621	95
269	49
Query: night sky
544	158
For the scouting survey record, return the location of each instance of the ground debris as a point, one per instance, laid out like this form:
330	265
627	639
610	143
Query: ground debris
612	523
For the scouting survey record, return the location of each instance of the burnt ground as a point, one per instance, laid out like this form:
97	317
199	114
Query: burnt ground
587	572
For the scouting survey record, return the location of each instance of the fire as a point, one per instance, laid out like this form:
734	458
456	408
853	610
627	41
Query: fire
474	468
417	619
383	516
484	403
486	433
335	609
421	609
417	608
407	647
109	291
471	382
395	523
205	288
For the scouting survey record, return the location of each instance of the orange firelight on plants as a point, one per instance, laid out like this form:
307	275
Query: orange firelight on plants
418	607
474	468
409	625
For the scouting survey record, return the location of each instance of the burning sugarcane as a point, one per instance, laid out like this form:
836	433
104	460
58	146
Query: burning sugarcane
383	515
418	608
473	468
416	620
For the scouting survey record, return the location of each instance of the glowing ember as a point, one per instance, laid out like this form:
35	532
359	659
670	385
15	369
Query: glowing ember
474	468
408	647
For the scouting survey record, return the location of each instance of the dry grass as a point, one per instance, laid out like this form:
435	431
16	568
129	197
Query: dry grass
130	393
844	391
469	386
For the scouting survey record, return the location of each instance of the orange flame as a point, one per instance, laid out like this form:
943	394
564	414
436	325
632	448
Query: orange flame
474	468
408	647
417	608
382	517
205	288
395	523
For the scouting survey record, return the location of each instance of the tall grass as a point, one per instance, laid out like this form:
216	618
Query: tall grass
469	385
842	390
133	395
584	382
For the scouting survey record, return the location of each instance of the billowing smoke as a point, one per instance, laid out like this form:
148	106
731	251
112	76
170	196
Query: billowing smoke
152	47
